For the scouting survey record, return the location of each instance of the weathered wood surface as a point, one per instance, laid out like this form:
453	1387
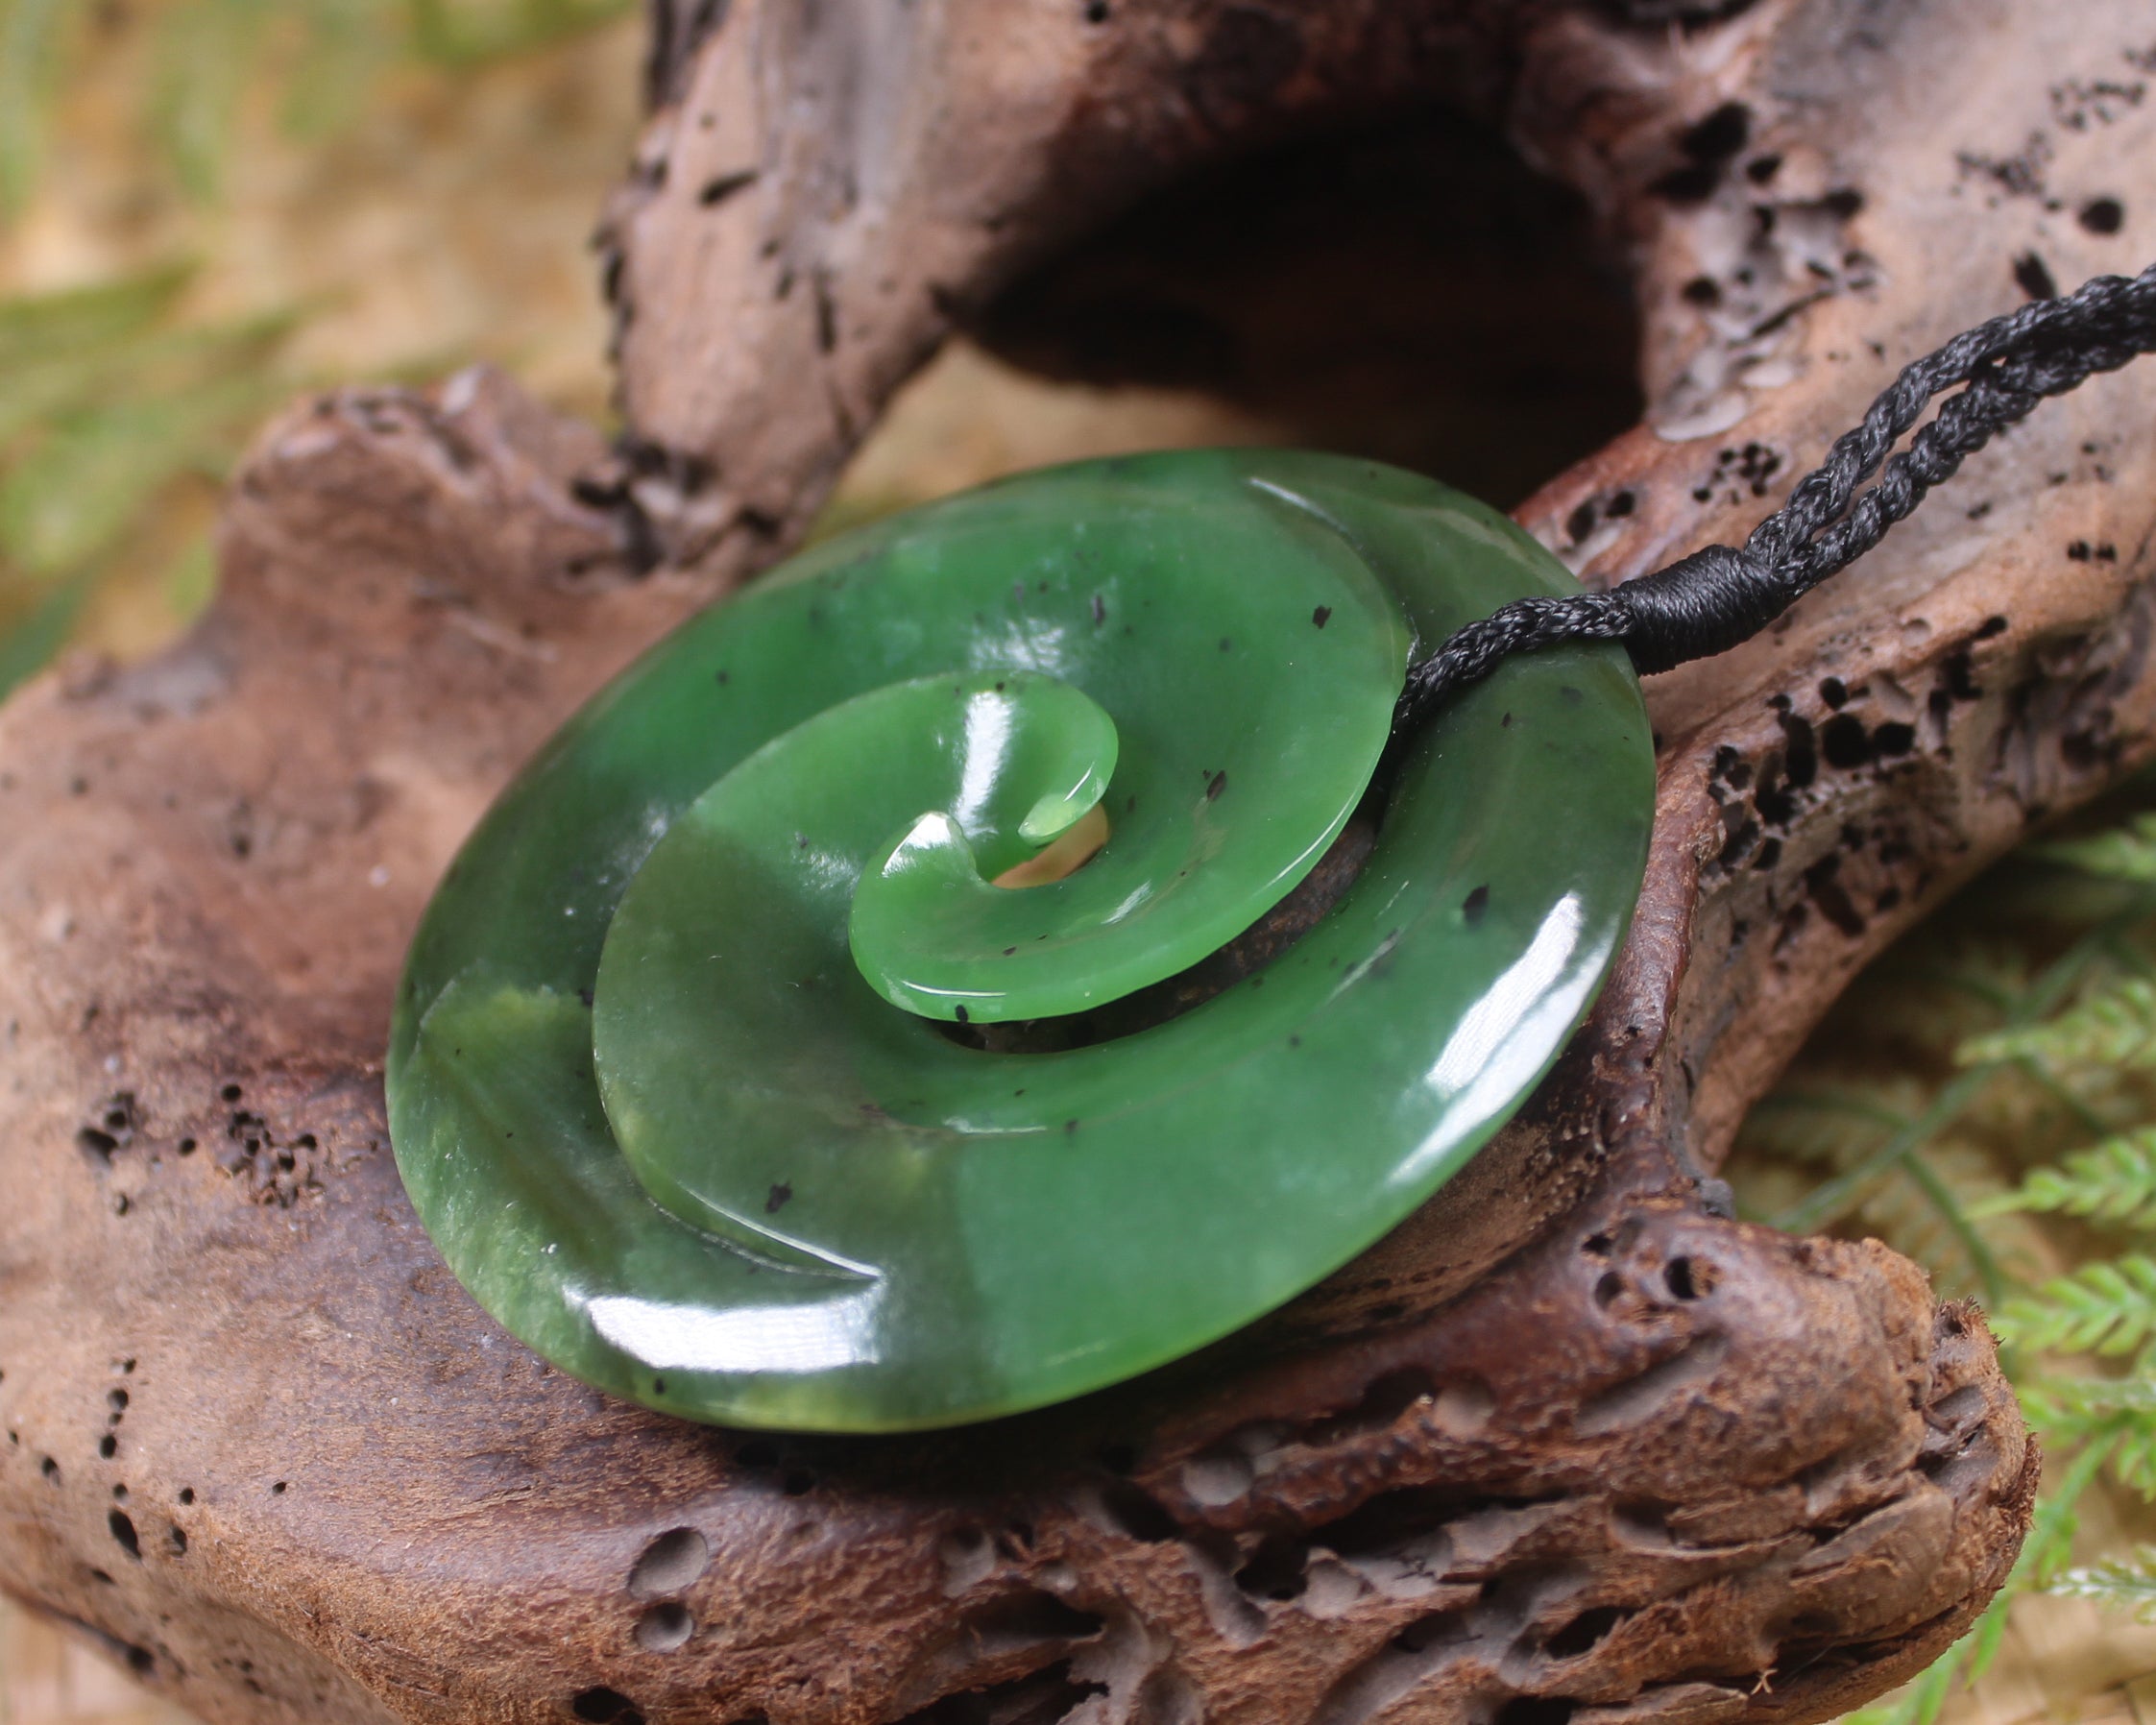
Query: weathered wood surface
1570	1444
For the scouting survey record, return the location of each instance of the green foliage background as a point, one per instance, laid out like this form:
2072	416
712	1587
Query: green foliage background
1985	1099
126	393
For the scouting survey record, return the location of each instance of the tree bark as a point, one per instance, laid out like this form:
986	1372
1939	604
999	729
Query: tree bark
1570	1443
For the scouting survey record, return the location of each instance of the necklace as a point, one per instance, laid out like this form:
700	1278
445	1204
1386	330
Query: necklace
1024	940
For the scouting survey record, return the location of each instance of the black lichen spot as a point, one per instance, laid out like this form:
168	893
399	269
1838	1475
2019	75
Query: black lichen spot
107	1447
1474	905
1702	291
123	1532
2103	215
1692	184
1800	762
602	1706
1095	11
2033	278
1831	897
1843	742
1619	505
1893	738
1991	625
1707	146
176	1538
722	186
1775	804
1844	201
1322	616
1834	692
1580	523
1721	134
776	1201
964	1016
1762	168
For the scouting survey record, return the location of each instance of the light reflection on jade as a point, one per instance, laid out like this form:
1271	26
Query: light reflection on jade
677	1079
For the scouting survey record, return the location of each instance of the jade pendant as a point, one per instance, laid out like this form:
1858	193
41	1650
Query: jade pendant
684	1079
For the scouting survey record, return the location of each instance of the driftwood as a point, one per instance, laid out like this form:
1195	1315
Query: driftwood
1570	1443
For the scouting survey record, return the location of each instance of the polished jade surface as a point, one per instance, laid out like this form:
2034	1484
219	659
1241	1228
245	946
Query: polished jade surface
679	1079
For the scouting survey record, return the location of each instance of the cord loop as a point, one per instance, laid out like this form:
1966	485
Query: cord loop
1710	600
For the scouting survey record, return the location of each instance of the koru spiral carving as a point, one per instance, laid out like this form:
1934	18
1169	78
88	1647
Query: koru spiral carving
732	1067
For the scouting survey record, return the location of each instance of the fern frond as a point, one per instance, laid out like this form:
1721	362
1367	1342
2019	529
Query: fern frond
2114	1027
2118	1412
2132	1460
2122	1583
1924	1205
73	496
2126	852
29	41
27	641
2068	1409
206	52
1836	1123
449	34
2113	1182
2105	1307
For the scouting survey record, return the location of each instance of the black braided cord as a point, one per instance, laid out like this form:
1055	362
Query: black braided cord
1711	600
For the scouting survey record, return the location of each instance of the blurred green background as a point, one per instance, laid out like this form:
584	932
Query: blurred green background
207	206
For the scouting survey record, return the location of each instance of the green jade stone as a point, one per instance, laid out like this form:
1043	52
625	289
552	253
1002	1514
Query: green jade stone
930	931
673	1079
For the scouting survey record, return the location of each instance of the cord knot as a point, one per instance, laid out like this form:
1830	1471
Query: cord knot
1721	594
1700	604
